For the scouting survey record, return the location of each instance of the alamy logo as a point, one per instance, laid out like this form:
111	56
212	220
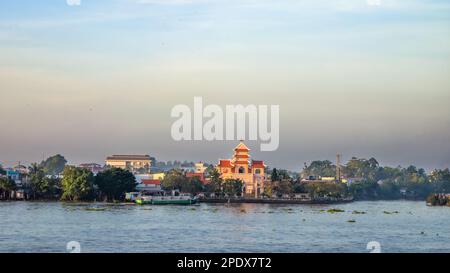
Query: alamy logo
238	118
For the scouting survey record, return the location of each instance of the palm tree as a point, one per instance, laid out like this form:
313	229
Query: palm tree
6	186
35	176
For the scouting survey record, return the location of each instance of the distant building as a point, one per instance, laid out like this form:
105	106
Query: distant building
149	185
159	176
200	167
199	172
239	167
133	163
13	174
21	169
187	168
149	176
200	176
93	167
351	180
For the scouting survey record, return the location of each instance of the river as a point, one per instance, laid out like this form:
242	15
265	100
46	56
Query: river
398	226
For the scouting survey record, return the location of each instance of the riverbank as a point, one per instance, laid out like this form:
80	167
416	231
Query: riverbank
272	201
216	200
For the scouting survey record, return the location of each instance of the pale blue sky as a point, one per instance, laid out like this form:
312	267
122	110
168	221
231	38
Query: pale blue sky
100	78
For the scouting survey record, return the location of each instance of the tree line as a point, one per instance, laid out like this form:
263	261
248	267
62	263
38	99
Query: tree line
372	181
52	179
176	179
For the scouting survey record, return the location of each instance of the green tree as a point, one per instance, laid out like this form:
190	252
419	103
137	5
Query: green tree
6	187
215	185
366	169
274	175
176	180
35	179
54	165
77	184
364	190
268	190
440	181
389	190
319	168
114	183
233	187
326	189
282	187
2	171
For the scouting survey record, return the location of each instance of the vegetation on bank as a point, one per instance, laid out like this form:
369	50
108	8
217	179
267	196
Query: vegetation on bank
367	181
44	182
176	180
6	187
373	182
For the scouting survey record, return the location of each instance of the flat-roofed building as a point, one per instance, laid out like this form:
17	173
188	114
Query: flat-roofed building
133	163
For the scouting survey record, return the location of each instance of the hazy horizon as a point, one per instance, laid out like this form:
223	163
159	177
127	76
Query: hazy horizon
350	77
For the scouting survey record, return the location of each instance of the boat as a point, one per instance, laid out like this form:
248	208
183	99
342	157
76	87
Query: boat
174	199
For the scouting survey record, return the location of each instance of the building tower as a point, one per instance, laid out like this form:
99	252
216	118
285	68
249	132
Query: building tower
241	159
338	167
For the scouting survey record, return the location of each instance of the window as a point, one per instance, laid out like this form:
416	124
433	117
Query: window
241	170
258	171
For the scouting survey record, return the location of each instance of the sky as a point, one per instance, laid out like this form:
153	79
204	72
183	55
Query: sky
91	78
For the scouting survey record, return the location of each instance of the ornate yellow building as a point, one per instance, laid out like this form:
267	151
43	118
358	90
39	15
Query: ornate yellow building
239	167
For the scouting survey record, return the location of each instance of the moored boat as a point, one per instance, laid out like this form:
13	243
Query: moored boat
166	200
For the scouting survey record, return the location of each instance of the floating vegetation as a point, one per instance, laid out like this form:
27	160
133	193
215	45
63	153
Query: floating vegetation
243	211
303	219
147	209
351	221
192	209
270	212
358	212
335	210
390	212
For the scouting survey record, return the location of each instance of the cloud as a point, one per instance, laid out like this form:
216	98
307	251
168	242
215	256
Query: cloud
374	2
73	2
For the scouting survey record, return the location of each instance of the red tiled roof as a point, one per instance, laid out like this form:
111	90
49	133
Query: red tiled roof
201	176
151	182
225	163
194	175
241	162
258	164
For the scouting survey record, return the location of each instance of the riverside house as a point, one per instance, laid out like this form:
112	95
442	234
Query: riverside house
133	163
